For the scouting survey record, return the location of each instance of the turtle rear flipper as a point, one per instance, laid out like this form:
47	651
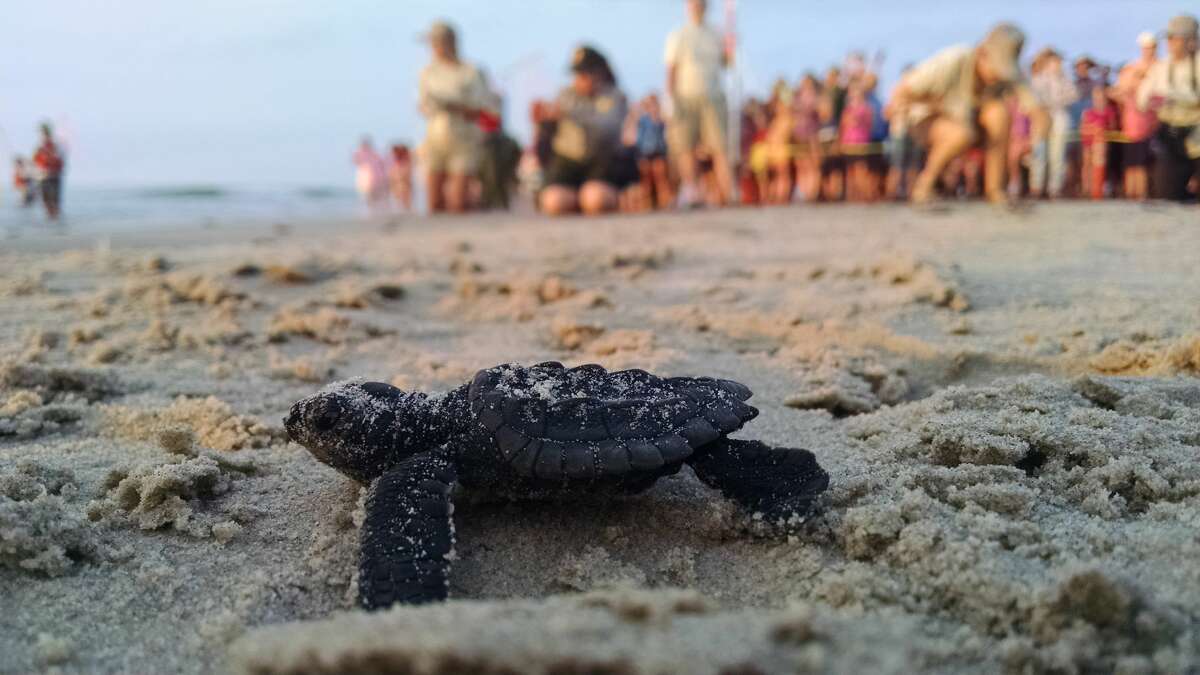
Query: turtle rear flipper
407	538
780	483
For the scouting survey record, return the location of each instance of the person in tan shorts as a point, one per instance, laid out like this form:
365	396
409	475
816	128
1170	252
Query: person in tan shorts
956	101
452	95
695	57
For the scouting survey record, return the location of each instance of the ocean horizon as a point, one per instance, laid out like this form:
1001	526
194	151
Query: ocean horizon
103	210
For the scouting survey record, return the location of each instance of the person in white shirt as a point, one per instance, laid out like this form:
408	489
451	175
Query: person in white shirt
695	56
1172	89
452	94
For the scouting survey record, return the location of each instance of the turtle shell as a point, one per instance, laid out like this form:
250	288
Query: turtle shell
558	423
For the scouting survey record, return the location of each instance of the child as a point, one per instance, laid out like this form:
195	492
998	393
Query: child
400	175
23	182
1097	122
651	145
370	174
857	122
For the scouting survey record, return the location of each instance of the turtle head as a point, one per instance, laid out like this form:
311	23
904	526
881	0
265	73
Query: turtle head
360	428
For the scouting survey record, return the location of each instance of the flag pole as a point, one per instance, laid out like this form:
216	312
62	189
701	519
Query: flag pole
734	100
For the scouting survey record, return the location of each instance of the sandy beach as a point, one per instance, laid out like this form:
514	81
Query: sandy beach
1008	404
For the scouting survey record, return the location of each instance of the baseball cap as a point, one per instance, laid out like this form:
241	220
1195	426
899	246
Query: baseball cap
1183	25
1003	45
1146	39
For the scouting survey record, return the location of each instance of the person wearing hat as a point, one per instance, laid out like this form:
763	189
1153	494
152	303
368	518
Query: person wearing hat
1172	89
955	100
695	55
1056	93
452	94
589	165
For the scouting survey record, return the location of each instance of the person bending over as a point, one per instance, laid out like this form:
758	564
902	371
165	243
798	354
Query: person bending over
956	101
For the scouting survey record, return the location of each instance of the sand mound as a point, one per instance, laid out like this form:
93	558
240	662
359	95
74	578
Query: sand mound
366	295
1155	357
152	496
847	386
180	287
921	279
212	421
323	325
54	383
39	530
519	298
616	633
975	500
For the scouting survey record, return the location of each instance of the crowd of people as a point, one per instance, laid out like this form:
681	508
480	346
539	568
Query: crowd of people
40	178
967	122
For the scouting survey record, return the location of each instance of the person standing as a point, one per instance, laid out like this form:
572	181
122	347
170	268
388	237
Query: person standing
452	95
400	175
370	173
1172	88
1048	172
49	166
1137	125
695	56
23	183
959	93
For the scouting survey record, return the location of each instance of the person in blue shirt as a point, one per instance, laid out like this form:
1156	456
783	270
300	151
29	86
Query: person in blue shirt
652	152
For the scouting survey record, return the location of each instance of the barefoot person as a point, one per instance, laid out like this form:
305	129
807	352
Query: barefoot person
22	182
588	167
1172	88
49	165
961	95
695	56
452	94
370	173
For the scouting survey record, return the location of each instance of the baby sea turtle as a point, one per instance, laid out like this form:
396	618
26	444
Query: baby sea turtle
529	432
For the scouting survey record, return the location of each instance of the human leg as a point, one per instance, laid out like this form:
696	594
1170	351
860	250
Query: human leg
948	138
597	197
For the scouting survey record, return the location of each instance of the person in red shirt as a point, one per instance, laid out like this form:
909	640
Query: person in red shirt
23	182
49	165
1098	121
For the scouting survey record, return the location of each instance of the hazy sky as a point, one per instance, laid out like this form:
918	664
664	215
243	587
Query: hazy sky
274	92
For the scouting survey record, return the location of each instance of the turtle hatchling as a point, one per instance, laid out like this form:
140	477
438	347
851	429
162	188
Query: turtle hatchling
534	431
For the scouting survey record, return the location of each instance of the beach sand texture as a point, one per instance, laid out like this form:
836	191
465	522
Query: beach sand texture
1008	405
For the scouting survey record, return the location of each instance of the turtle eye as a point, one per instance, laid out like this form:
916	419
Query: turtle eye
326	417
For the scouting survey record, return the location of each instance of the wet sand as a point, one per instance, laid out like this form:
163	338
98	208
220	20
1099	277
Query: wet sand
1008	405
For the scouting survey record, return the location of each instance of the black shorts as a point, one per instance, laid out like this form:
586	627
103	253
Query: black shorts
620	170
1135	154
51	190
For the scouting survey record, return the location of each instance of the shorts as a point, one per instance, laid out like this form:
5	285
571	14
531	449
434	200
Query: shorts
1135	154
620	170
696	121
459	157
51	190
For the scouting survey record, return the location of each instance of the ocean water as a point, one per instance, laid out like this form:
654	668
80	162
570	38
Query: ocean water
131	210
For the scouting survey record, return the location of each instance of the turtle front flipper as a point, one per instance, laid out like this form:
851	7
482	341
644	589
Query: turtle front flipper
779	483
407	538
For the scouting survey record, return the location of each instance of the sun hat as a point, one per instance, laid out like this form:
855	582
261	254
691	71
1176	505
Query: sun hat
1146	39
1003	45
1183	25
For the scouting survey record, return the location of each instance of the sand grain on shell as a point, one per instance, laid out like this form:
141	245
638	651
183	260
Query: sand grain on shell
1011	428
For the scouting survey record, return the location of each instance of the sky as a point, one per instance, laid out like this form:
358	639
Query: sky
277	92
